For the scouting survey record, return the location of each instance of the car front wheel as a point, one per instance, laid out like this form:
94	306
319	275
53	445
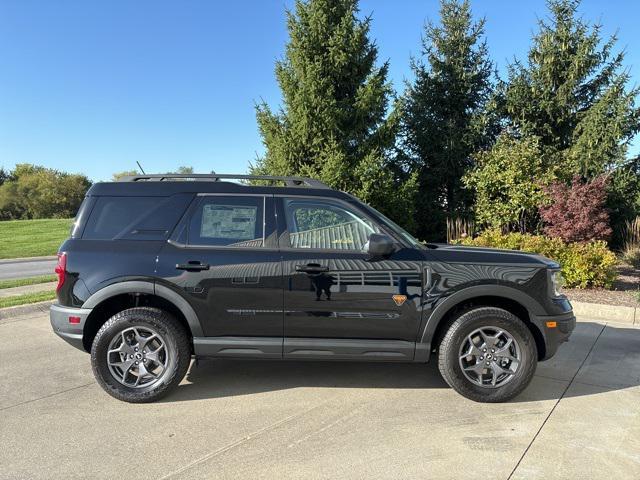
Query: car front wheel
488	355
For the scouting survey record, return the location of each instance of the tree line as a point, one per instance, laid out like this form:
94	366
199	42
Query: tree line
459	141
32	191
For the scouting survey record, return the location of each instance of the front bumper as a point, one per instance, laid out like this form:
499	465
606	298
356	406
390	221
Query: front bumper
554	336
70	332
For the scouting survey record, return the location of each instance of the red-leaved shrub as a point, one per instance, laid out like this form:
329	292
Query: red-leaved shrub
576	212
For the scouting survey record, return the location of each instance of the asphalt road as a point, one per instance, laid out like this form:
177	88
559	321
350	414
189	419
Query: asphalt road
27	267
580	418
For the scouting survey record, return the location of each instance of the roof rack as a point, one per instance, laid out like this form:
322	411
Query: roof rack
215	177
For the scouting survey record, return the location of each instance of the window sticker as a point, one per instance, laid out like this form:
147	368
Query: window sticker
228	221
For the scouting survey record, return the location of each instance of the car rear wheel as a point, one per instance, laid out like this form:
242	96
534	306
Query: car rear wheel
488	355
140	354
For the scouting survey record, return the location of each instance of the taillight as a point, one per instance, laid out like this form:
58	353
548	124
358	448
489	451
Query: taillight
61	270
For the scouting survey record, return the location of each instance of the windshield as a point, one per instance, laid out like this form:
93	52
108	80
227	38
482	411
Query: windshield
397	229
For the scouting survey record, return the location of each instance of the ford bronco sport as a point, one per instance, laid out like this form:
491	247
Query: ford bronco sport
162	268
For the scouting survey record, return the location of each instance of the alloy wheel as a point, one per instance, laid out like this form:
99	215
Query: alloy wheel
138	357
489	357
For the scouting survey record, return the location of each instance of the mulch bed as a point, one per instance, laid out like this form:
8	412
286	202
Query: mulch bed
625	290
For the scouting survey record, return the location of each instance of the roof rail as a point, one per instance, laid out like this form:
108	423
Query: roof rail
216	177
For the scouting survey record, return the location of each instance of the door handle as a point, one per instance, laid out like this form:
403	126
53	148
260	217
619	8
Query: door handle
312	268
192	266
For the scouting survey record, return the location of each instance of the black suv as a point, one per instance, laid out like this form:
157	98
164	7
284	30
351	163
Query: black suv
162	268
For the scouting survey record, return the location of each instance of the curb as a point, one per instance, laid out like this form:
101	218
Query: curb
6	261
39	307
607	313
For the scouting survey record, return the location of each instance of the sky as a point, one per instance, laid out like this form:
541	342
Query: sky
91	86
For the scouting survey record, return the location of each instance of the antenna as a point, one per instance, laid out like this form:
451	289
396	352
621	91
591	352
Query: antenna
140	167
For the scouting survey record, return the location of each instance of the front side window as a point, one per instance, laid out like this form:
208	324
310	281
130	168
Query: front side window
327	225
228	221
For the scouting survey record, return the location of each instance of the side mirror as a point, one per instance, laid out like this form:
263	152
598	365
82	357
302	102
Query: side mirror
380	245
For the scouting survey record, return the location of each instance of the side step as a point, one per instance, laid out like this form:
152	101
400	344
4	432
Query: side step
305	348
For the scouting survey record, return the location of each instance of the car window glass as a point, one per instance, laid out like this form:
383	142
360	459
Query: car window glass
228	221
112	216
326	225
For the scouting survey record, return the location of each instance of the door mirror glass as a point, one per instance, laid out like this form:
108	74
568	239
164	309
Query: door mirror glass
380	245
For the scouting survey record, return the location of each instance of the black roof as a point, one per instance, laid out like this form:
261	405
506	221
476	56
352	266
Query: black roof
165	185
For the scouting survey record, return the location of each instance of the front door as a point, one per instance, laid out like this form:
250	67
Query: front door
224	260
339	302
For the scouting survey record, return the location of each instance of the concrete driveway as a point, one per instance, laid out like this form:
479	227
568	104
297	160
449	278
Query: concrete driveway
580	418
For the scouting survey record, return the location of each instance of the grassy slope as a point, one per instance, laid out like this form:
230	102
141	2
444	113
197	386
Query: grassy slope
21	282
32	238
27	298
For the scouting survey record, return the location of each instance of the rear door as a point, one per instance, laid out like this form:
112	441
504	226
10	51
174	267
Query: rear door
339	302
223	258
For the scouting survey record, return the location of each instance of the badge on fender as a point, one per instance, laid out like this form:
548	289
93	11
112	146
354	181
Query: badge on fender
399	299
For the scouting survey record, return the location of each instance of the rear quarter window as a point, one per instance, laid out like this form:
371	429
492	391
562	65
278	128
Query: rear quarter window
135	218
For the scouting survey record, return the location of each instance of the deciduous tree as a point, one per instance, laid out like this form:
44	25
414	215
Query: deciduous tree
576	212
508	180
33	191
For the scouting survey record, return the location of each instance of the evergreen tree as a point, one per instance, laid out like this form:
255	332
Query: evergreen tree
572	94
445	118
334	124
623	198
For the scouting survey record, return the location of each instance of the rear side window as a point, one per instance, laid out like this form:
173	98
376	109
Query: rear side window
135	218
228	221
112	216
79	221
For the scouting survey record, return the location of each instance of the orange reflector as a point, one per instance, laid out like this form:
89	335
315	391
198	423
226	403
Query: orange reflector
399	299
552	324
74	319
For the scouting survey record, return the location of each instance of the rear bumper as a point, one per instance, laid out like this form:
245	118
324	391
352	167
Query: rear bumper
69	332
556	335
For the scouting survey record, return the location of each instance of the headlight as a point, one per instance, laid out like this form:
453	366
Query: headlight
557	282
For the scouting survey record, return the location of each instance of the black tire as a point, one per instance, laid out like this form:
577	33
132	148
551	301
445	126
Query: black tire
464	325
177	359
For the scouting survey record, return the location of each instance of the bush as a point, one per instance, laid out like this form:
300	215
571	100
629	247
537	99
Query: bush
576	212
632	257
584	265
631	246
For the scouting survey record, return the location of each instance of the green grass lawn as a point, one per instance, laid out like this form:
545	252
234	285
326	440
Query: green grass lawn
26	298
32	238
21	282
